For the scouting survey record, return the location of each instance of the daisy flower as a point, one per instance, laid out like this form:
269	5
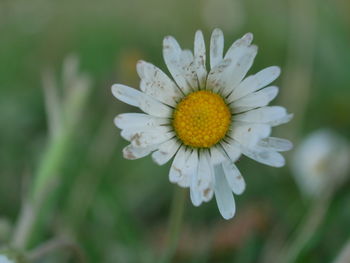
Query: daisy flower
204	118
321	162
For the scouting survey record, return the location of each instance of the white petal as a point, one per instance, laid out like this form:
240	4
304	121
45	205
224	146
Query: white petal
254	100
239	46
272	115
190	169
216	47
249	134
200	58
255	82
186	57
282	120
238	69
133	132
147	137
232	149
174	58
126	94
188	68
275	144
234	178
201	187
138	120
270	158
176	169
139	99
195	193
165	151
205	176
208	193
157	84
217	155
216	77
223	194
131	153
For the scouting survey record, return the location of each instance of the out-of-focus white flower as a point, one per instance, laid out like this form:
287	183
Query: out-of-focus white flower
204	118
322	161
5	259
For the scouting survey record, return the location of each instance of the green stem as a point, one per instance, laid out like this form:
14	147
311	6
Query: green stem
42	186
308	228
175	223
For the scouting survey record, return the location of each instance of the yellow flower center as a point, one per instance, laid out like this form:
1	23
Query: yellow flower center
201	119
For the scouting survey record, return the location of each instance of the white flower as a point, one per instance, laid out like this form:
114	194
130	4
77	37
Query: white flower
205	118
321	162
5	259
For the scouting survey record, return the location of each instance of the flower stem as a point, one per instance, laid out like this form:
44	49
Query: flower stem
308	228
175	223
42	186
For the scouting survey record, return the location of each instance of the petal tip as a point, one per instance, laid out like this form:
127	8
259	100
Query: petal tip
248	37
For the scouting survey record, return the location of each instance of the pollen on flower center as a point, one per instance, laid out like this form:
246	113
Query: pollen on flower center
201	119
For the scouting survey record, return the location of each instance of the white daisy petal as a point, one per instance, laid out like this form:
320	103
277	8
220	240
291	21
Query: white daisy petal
138	120
255	82
272	115
147	137
238	69
139	99
207	188
208	193
153	107
254	100
232	149
173	58
216	80
157	84
216	155
223	194
176	169
165	151
188	69
281	120
275	144
248	134
270	158
131	152
239	47
234	178
134	132
200	58
195	193
216	47
205	178
190	169
186	57
126	94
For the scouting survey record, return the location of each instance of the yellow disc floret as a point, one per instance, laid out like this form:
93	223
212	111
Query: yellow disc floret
201	119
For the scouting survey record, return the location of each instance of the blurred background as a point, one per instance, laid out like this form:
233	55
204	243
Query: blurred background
115	210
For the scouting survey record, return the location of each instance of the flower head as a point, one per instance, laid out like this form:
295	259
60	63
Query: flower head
205	119
321	162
